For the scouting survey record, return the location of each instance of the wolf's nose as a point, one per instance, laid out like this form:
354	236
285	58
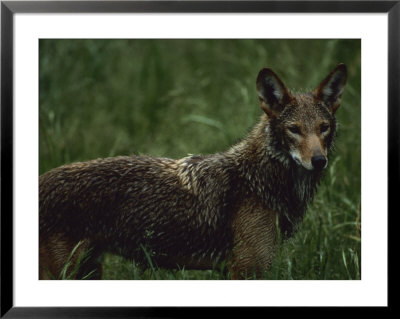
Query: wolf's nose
318	162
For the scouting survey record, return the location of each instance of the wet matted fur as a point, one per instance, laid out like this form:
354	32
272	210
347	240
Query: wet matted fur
197	211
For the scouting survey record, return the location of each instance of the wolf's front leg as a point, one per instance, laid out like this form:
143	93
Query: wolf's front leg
254	241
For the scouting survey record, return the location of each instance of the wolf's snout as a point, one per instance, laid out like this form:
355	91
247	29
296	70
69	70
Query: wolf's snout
318	162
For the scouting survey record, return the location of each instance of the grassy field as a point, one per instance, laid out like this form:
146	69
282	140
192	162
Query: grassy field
101	98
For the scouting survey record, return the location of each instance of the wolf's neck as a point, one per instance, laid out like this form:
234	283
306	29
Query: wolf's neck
271	175
259	150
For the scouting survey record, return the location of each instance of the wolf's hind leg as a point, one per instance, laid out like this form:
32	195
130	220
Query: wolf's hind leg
63	258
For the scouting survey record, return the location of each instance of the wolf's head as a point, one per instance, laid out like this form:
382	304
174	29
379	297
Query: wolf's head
302	126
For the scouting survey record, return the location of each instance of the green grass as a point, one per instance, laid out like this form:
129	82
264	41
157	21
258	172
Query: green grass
101	98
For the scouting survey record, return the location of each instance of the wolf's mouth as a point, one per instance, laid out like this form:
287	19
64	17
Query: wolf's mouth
298	162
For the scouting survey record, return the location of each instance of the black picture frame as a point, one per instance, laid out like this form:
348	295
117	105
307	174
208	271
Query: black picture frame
9	8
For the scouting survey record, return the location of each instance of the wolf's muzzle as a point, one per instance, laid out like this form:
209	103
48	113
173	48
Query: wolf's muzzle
318	162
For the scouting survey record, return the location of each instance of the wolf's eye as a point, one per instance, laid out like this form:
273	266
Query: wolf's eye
324	127
294	129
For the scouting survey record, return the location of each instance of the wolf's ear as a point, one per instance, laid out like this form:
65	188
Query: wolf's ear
330	90
272	93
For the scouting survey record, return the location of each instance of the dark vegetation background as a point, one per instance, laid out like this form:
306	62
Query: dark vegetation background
101	98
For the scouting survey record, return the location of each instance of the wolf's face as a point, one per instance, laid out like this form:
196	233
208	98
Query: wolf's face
302	126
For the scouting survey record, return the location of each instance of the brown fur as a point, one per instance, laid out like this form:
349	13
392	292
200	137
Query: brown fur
199	210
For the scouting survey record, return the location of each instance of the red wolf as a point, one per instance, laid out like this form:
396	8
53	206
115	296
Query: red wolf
198	211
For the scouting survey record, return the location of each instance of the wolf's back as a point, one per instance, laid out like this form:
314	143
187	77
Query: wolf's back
128	203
